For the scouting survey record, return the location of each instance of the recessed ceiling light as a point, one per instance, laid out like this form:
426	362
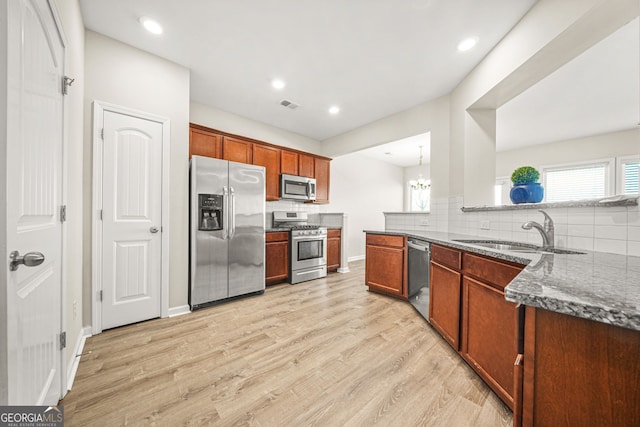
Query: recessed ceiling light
467	44
278	84
334	110
151	25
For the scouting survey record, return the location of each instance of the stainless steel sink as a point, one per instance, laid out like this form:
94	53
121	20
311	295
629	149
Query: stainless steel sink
515	246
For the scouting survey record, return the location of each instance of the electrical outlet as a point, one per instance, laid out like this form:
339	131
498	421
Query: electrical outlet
424	222
75	310
485	224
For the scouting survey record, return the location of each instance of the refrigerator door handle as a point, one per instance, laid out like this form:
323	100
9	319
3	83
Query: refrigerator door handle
225	213
232	212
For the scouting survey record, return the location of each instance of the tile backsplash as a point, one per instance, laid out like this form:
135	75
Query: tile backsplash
601	229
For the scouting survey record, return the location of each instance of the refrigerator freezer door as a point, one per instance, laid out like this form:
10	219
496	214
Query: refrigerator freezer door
208	249
246	228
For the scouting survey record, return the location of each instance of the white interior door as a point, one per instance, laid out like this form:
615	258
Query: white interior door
131	219
34	144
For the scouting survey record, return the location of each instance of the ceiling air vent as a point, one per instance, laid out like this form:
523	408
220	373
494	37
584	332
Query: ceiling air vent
289	104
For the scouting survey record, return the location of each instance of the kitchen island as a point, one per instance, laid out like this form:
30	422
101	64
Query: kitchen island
578	331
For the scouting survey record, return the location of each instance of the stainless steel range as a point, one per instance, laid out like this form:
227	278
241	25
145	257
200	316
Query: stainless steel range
308	245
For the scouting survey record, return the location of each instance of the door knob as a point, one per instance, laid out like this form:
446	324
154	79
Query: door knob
154	229
30	259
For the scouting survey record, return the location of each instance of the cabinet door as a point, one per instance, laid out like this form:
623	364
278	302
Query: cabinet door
276	257
306	166
322	170
444	303
489	329
385	269
289	162
333	250
236	150
203	143
579	372
269	157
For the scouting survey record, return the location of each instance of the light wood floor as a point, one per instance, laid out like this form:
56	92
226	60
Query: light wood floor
321	353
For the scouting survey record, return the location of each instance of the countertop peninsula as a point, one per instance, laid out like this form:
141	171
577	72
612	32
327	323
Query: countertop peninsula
597	286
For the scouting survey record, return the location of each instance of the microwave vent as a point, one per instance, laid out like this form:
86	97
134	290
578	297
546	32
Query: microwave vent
289	104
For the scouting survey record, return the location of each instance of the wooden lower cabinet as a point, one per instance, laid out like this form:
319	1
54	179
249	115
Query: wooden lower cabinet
489	322
385	264
578	372
467	307
444	303
276	257
488	340
333	249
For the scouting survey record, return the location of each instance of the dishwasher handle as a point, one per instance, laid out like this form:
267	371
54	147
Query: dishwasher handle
419	247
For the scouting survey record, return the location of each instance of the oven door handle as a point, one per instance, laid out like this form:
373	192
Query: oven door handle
310	238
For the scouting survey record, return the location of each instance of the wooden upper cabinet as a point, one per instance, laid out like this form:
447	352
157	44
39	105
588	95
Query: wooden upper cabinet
289	162
306	166
322	168
237	150
202	143
269	157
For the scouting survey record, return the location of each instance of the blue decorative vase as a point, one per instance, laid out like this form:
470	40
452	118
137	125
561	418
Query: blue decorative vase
527	193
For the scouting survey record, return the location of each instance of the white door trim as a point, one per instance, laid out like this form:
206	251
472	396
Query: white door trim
64	250
99	107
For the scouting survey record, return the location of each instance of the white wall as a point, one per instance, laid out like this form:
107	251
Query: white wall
432	116
363	188
232	123
73	28
123	75
624	143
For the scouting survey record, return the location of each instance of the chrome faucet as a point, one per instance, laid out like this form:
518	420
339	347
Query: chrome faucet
546	231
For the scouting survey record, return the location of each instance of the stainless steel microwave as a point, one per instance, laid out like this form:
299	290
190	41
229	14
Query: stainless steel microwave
297	187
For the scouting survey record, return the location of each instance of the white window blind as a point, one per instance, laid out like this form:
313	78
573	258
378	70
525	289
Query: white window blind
630	177
575	183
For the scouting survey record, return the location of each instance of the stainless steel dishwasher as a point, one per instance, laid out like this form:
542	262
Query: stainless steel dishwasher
418	265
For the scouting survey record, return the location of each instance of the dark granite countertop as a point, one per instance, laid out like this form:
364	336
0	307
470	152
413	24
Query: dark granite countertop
598	286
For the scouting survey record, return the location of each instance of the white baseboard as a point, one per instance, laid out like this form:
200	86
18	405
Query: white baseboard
179	311
344	269
72	368
356	258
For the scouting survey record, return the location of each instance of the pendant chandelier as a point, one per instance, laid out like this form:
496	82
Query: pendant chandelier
420	183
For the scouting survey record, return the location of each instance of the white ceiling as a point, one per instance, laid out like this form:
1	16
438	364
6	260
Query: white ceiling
372	58
595	93
404	152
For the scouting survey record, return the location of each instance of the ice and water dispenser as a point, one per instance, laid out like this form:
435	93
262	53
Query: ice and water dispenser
210	212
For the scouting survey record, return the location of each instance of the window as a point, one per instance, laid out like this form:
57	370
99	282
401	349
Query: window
501	191
577	182
420	199
628	174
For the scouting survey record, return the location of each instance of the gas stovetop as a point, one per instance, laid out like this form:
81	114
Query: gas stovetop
296	222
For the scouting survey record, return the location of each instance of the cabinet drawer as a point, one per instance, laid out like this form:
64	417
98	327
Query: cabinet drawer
333	233
494	272
277	236
384	240
446	256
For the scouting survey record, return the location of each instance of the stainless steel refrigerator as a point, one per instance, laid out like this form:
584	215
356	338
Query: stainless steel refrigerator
227	230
